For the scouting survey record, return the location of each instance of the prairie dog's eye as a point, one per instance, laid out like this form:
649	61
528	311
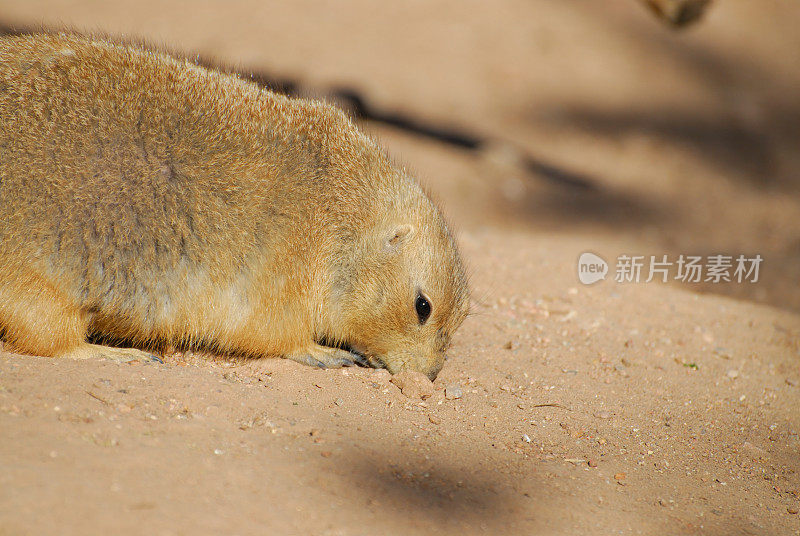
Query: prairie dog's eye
423	307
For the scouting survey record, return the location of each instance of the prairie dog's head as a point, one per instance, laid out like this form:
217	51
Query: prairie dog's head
402	292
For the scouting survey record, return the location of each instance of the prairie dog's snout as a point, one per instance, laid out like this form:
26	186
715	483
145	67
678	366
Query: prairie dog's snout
148	199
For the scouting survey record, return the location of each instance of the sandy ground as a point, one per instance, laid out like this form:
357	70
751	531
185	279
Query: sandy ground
563	409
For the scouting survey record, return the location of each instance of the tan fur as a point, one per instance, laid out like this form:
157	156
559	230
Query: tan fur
148	199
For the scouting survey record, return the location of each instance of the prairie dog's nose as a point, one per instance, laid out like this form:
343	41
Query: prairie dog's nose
434	370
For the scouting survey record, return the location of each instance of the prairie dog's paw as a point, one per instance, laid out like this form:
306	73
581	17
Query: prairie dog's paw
120	355
316	355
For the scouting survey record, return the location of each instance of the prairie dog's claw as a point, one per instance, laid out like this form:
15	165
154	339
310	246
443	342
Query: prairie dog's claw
325	357
360	359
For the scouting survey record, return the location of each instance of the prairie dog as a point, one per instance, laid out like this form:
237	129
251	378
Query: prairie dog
150	200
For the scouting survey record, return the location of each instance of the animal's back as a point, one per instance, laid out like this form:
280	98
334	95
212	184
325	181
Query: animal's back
97	136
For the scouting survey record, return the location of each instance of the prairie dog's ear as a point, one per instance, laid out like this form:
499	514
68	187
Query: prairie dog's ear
397	236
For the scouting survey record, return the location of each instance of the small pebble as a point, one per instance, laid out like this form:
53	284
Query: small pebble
452	392
620	476
434	419
752	449
591	463
338	402
793	510
603	415
791	381
526	438
724	353
733	374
